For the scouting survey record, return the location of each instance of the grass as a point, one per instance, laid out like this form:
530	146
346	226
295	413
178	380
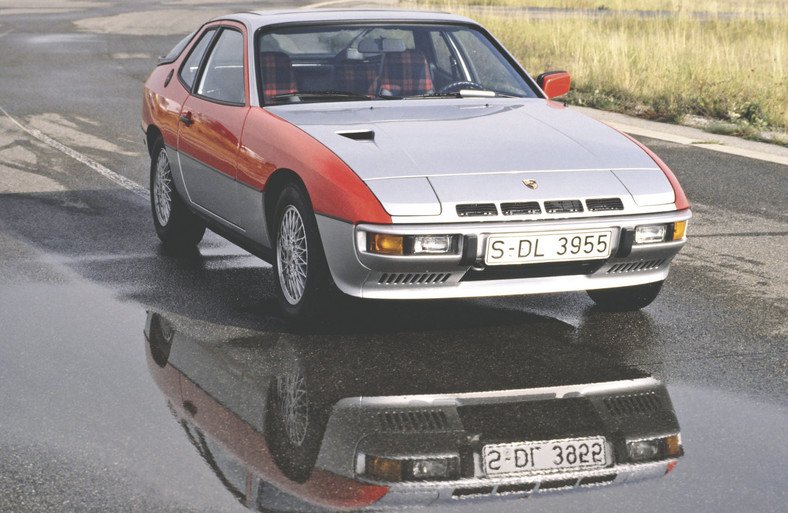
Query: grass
768	7
728	68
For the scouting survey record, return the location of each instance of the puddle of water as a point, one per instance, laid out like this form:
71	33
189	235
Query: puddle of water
80	410
82	414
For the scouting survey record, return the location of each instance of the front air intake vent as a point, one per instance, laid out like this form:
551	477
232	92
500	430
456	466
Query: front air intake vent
468	493
358	135
558	484
419	421
643	265
597	480
605	204
413	278
563	207
634	404
514	488
477	209
518	209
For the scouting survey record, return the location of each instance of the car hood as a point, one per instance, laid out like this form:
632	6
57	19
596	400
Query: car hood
418	154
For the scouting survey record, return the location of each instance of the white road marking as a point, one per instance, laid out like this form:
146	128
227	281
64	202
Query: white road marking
100	169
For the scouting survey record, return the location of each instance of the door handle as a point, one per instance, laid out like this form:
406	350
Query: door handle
186	119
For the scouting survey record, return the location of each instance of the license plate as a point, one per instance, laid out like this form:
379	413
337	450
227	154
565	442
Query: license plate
530	248
544	456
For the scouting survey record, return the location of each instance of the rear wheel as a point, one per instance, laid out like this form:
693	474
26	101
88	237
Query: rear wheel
175	225
626	299
160	339
302	278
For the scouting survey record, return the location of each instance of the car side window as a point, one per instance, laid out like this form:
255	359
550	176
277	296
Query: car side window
223	77
192	63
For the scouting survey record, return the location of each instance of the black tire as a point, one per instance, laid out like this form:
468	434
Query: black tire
301	276
160	339
175	225
626	299
294	425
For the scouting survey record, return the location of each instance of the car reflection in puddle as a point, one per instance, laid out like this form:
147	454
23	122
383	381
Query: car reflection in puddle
294	422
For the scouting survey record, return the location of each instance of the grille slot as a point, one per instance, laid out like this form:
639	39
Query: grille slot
515	488
633	404
477	209
555	485
522	208
512	272
463	493
413	278
419	421
629	267
563	207
597	480
601	205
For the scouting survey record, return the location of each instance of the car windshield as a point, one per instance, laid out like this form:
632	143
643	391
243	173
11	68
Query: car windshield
383	62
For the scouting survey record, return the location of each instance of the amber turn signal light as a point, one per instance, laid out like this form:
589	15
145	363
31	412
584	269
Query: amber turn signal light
385	244
679	230
673	446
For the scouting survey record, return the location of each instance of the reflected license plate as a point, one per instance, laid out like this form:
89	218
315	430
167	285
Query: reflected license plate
548	455
531	248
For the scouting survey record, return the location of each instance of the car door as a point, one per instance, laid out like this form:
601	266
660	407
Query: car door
210	127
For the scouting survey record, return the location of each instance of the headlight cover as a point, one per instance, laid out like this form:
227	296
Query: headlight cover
410	245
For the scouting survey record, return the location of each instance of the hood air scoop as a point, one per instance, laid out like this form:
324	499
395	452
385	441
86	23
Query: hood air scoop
358	135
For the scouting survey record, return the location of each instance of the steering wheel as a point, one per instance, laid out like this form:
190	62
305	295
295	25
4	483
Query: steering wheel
459	85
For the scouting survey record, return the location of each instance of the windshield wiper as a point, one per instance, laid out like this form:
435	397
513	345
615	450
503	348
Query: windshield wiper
328	95
465	93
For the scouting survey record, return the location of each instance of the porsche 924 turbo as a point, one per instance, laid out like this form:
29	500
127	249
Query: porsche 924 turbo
398	154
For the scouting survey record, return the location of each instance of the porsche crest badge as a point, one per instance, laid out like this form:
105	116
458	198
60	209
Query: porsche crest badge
531	184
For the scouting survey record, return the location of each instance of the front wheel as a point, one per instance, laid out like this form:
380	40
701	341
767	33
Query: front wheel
175	225
626	299
302	277
293	426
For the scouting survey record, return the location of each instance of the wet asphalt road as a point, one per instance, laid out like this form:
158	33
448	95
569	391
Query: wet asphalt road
84	427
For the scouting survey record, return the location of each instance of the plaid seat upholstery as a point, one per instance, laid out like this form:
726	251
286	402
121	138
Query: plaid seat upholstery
406	74
278	76
355	77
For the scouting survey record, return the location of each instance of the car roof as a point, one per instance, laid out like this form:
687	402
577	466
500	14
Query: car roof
262	18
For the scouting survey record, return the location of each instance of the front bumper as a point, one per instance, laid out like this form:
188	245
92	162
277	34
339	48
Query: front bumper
367	275
448	493
432	425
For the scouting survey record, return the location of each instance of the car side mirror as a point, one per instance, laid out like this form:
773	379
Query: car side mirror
554	83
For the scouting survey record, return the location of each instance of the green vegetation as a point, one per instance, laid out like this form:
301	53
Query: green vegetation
712	6
732	69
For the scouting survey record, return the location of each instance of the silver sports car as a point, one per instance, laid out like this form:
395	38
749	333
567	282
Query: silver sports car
402	155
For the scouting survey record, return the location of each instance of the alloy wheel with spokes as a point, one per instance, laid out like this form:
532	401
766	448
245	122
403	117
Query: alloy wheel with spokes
301	274
162	188
292	255
294	423
294	407
176	226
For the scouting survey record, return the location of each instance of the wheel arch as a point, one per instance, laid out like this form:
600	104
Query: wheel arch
151	135
274	186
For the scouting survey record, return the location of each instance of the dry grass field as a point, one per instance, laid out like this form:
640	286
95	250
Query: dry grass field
716	6
725	61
